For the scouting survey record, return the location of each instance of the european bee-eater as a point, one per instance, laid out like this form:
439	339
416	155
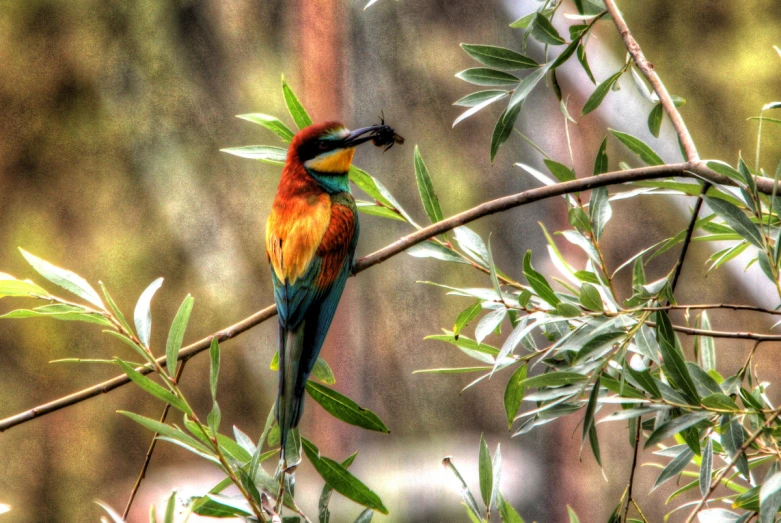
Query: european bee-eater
310	242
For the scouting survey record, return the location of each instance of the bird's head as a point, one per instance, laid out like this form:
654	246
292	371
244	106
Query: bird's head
328	148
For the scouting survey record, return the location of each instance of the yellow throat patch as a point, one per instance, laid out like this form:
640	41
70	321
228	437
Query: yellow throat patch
338	161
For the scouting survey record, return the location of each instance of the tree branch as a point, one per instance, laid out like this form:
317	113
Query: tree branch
686	170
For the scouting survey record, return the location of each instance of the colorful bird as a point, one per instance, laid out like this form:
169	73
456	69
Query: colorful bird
310	243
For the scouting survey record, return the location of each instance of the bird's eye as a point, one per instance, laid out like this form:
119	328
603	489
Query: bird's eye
322	146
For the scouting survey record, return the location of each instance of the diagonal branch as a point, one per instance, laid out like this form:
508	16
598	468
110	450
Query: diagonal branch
686	170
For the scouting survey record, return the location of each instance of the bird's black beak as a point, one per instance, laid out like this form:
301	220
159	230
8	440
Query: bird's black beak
362	135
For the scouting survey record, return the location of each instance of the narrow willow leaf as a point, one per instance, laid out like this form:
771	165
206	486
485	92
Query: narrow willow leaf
705	346
377	210
166	430
732	440
365	516
472	244
143	312
499	57
116	518
554	379
588	417
479	107
706	468
10	286
170	508
430	249
496	469
538	282
736	219
599	210
493	272
674	363
637	146
455	370
504	126
59	312
485	472
341	480
583	59
465	316
525	21
573	518
675	426
527	85
513	394
489	323
561	172
153	388
601	160
271	123
368	184
655	120
324	514
343	408
507	512
770	499
70	281
295	108
590	298
176	333
599	93
487	77
214	370
675	467
426	188
264	153
113	307
479	97
323	372
544	32
466	495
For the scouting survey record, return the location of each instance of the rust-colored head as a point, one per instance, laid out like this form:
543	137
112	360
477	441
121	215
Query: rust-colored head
328	147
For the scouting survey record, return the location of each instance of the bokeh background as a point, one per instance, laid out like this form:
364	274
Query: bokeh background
112	115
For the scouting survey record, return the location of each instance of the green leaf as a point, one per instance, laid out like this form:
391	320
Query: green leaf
590	298
736	219
454	370
271	123
214	370
675	426
674	363
377	210
655	120
601	160
466	495
477	98
544	32
583	59
504	127
430	249
10	286
675	467
479	107
499	57
343	408
706	468
538	281
368	184
525	21
553	379
598	342
170	508
153	388
295	108
732	440
113	307
599	93
573	518
561	172
485	472
365	516
167	430
513	394
341	480
770	499
325	496
705	346
599	211
426	188
527	85
568	310
487	77
176	334
646	154
59	312
507	512
589	428
264	153
465	316
143	312
323	372
70	281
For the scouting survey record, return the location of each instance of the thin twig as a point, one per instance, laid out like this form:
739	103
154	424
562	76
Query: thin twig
709	306
732	462
484	209
723	334
152	445
629	498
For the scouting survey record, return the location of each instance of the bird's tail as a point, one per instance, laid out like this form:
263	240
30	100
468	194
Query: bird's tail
292	382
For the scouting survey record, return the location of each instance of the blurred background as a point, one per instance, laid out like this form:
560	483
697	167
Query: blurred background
113	114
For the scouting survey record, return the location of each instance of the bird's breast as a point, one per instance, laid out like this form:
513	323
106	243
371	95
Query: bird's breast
294	231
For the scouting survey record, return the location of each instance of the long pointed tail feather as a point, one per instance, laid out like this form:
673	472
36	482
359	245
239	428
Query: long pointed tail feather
290	399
